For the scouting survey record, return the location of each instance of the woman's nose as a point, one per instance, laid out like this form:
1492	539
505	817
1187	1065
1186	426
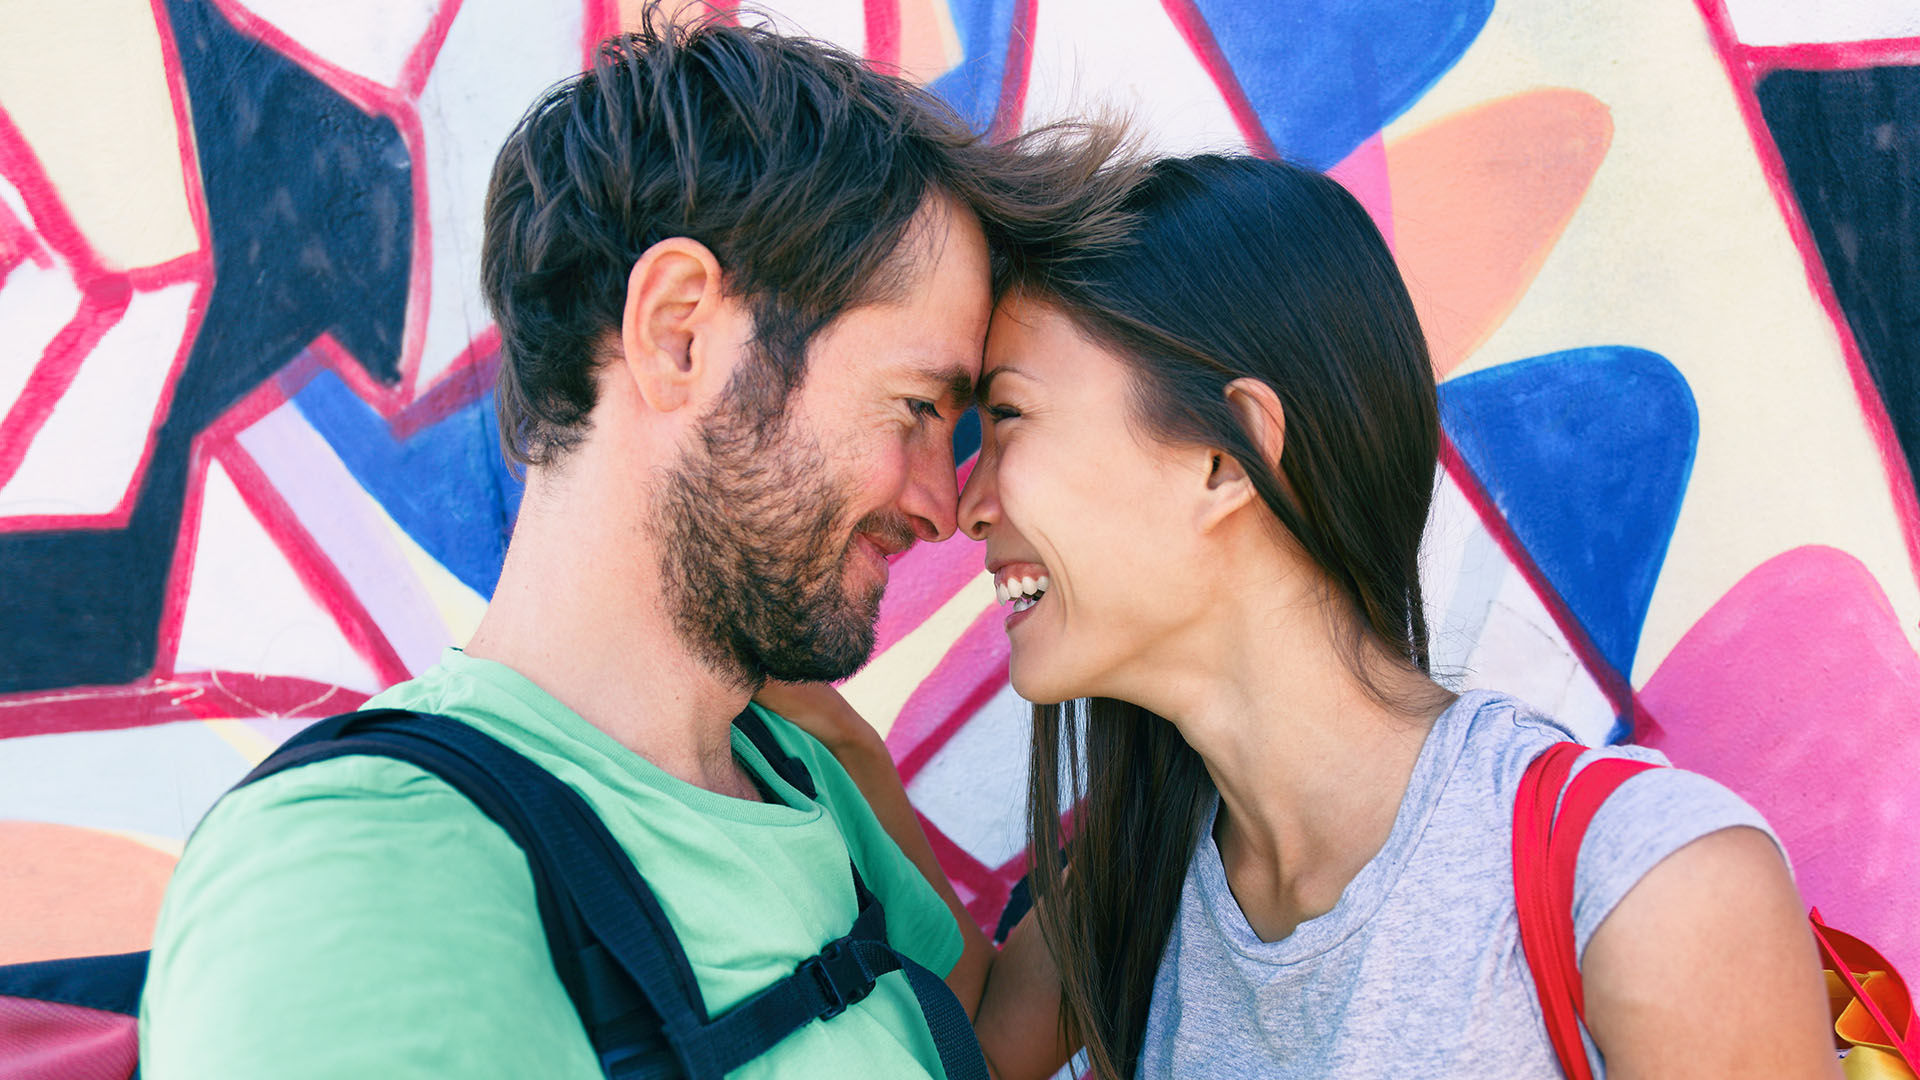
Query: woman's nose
978	500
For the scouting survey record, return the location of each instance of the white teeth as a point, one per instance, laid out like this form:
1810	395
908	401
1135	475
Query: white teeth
1022	592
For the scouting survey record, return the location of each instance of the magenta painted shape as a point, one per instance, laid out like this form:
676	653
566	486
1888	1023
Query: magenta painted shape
1800	691
920	580
43	1040
1364	173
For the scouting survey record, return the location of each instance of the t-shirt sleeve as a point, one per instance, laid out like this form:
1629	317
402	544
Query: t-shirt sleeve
919	923
1649	817
356	917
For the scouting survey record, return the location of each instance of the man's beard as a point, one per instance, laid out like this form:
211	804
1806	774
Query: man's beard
754	562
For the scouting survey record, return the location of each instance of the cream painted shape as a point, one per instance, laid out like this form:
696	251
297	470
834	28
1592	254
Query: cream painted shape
1680	247
85	83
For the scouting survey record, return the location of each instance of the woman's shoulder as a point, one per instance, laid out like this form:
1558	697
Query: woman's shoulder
1649	817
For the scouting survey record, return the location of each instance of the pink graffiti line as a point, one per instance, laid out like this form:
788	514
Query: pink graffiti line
316	572
883	33
1832	55
106	294
1616	685
194	695
18	244
1900	483
1199	37
1016	73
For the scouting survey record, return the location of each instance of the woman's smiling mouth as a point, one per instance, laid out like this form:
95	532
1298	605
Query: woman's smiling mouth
1021	585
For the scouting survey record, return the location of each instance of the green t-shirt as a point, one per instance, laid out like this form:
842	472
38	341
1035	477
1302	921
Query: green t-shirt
358	917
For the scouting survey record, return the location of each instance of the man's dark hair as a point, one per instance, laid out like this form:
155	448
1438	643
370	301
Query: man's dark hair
795	162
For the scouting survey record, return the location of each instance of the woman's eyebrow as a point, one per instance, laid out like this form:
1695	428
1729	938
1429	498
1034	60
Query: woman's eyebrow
986	381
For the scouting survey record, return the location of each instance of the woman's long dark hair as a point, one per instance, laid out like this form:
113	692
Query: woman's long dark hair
1237	267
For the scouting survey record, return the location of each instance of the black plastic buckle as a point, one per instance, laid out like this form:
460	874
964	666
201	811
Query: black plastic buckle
842	978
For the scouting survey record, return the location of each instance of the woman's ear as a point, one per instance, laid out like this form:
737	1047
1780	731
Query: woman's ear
673	294
1228	486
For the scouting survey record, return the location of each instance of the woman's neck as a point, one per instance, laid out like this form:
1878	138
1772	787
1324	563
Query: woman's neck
1310	764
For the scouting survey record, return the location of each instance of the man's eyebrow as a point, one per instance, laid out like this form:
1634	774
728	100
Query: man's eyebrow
955	379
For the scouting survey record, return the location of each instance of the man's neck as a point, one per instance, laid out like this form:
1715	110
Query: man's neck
579	611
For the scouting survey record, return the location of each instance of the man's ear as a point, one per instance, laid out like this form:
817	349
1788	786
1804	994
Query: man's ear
1228	486
673	296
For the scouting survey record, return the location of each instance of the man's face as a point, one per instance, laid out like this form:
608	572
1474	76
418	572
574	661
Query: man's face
778	532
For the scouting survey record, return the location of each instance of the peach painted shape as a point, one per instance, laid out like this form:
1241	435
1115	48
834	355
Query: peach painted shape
929	42
69	891
1800	692
1480	198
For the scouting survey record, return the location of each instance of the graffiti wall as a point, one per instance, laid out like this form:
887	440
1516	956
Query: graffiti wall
1666	254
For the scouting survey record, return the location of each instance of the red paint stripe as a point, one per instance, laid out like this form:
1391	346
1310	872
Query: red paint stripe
196	696
883	33
122	512
959	864
1199	37
324	582
186	147
1614	684
469	379
101	307
419	65
1900	481
1833	55
967	677
18	244
219	434
51	219
600	20
1017	72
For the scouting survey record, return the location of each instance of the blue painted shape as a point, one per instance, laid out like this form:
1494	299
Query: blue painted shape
447	486
1324	75
1586	453
973	86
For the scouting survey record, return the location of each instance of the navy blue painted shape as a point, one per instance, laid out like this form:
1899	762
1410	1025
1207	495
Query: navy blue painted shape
1851	143
973	87
310	209
966	435
1586	453
1324	75
447	486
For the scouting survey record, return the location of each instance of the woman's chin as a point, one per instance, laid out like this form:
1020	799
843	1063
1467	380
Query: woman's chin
1034	684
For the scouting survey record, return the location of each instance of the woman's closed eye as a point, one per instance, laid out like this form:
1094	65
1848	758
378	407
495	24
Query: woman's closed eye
997	413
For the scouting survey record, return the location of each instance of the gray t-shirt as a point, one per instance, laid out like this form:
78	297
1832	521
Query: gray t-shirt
1418	970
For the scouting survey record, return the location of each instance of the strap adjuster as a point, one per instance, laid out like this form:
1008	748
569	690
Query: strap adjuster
842	978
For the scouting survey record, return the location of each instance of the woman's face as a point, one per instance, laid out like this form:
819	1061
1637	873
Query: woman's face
1081	509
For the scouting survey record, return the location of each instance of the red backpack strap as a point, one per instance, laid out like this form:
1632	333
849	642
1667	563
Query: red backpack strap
1546	853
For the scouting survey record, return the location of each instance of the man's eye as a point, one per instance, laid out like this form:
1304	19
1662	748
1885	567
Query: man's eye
925	409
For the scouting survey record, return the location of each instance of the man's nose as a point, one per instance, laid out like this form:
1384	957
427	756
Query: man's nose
932	497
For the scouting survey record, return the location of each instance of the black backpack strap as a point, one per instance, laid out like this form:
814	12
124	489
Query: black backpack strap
108	983
628	976
786	765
